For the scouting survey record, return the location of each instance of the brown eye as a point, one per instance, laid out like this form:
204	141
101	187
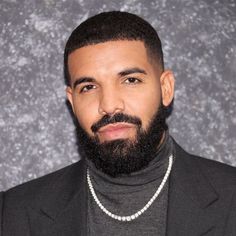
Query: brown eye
132	80
87	88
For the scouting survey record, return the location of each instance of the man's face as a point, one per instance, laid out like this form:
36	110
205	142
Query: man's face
117	94
113	77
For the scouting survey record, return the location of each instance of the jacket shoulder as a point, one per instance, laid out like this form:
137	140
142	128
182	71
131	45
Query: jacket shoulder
48	192
36	188
220	174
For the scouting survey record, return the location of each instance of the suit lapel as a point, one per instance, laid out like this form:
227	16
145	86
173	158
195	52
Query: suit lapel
193	202
62	209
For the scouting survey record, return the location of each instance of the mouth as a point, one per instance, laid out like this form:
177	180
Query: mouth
116	131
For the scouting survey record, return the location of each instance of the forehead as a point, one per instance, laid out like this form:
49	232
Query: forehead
111	56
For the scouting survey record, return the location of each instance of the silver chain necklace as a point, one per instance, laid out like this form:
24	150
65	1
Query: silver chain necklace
141	211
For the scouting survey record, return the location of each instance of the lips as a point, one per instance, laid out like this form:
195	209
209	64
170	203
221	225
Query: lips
115	131
114	127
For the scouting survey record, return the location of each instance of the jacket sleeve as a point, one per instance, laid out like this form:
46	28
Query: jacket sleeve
1	212
231	223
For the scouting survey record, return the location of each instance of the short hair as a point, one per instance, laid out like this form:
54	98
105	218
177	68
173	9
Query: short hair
112	26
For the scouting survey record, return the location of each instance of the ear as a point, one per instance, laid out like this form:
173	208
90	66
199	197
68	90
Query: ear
69	94
167	80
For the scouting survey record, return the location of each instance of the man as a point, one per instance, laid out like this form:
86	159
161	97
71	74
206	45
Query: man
133	179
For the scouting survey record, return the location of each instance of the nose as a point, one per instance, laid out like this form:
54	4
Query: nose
111	102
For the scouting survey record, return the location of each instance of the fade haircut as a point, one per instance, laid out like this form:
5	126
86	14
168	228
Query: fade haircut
112	26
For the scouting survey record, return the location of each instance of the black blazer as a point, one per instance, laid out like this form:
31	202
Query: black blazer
202	201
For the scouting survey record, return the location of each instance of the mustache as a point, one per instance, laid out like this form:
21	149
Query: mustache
118	117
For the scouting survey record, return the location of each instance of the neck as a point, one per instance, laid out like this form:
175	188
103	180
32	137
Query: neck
163	138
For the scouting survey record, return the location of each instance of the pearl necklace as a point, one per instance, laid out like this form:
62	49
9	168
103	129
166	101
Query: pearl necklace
141	211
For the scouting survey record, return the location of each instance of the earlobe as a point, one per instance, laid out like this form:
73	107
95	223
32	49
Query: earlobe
70	97
167	87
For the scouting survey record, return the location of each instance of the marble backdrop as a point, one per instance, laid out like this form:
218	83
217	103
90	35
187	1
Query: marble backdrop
36	130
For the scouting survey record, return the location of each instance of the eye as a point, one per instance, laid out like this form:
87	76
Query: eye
132	80
87	88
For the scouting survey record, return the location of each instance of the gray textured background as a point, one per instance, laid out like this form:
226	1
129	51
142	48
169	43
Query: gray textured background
36	131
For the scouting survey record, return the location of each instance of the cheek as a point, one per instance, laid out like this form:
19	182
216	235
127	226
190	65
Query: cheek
87	114
145	106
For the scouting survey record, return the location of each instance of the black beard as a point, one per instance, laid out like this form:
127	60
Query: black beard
123	156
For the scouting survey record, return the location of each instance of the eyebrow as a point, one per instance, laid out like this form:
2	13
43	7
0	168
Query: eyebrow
121	74
83	80
131	71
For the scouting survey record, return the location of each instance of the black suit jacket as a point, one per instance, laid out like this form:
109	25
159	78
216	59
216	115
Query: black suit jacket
202	201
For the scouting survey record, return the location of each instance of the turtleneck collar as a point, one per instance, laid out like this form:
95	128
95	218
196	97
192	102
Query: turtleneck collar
154	171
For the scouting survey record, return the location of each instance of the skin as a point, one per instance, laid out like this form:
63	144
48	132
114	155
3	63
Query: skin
116	76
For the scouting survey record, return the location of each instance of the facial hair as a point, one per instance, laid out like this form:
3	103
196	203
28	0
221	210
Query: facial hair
123	156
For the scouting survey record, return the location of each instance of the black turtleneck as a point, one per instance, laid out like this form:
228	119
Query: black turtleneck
127	194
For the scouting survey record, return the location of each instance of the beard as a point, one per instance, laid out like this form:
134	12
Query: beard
123	156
